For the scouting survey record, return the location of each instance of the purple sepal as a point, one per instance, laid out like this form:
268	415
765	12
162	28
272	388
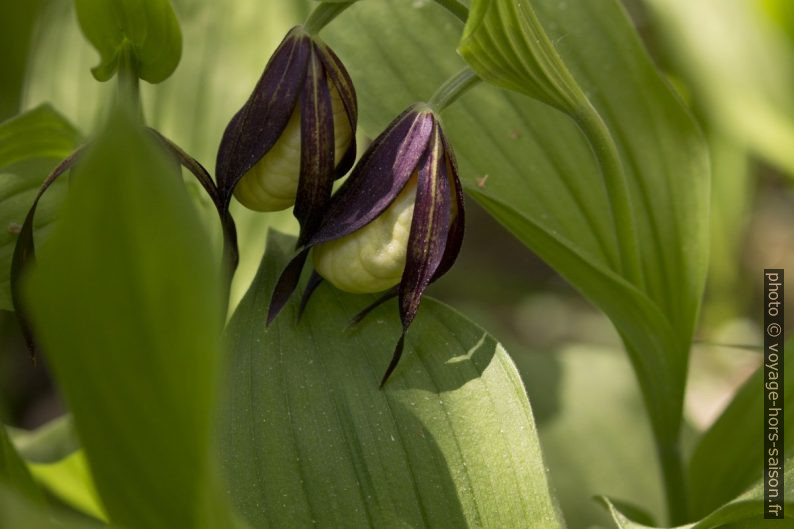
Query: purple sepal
378	177
317	150
286	284
256	127
427	240
338	75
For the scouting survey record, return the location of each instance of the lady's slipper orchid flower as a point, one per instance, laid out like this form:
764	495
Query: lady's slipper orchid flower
395	225
294	135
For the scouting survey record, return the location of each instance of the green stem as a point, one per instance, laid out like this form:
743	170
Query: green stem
453	88
129	94
674	481
606	154
323	14
456	8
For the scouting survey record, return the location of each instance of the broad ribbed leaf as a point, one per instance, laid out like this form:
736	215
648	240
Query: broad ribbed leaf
147	30
743	512
310	439
726	460
31	144
126	300
533	170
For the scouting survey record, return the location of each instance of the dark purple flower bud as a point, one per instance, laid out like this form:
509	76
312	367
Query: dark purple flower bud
294	135
395	225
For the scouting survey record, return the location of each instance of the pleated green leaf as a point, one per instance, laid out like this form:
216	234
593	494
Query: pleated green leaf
309	439
126	302
146	30
31	144
533	170
505	43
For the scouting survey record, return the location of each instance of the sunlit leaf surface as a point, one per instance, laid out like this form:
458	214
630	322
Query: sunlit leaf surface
309	439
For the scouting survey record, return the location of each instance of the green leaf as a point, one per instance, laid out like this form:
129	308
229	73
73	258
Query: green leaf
14	473
740	66
310	439
17	512
70	481
30	146
16	36
126	301
725	461
532	169
745	511
53	456
147	29
38	133
48	443
504	42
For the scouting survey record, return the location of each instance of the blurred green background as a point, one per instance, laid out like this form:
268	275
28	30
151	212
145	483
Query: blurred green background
731	61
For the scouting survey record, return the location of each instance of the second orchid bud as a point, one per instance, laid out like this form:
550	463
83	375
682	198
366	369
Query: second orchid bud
395	225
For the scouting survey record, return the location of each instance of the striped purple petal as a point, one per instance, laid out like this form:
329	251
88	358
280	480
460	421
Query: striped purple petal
317	149
338	76
376	180
378	177
457	225
428	237
254	130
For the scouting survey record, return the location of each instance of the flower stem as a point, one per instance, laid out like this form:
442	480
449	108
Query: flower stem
606	153
674	481
129	94
453	88
323	14
456	8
